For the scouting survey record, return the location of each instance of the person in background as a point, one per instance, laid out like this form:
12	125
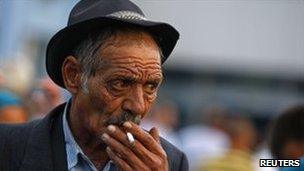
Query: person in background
11	109
1	77
242	134
45	97
287	137
207	139
165	117
262	150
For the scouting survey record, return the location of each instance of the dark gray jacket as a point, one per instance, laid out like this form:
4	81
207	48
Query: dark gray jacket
39	145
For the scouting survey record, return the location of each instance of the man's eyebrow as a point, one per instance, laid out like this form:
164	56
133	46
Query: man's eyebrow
156	76
123	77
129	79
155	79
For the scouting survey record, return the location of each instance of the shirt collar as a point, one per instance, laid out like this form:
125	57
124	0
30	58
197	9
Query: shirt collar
72	148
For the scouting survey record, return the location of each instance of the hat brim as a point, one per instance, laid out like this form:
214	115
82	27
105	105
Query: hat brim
64	41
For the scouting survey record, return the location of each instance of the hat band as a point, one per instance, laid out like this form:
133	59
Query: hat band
128	15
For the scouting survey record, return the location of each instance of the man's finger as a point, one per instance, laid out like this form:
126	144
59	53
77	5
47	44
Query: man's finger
120	163
155	134
143	153
144	137
124	152
120	135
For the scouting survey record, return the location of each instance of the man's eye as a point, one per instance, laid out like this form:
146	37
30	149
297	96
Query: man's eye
151	87
120	84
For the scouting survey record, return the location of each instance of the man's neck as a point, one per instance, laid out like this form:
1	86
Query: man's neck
92	146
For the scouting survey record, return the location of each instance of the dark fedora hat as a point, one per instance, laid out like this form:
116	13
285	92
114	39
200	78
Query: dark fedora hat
88	15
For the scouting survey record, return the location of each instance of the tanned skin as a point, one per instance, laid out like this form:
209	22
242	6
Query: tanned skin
125	85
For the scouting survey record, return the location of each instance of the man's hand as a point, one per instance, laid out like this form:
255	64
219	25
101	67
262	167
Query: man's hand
145	154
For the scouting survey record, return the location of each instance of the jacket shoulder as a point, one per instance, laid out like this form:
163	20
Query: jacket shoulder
28	145
14	133
13	140
177	159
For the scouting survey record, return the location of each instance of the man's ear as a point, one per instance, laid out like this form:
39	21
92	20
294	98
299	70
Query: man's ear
71	74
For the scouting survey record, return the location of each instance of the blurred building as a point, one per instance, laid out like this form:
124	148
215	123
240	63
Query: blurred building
246	56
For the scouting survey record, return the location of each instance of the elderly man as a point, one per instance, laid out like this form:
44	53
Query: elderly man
109	58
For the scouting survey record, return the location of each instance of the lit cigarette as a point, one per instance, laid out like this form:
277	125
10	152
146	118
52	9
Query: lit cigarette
130	138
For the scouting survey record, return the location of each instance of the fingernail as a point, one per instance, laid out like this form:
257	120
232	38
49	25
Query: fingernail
105	136
108	149
111	128
127	125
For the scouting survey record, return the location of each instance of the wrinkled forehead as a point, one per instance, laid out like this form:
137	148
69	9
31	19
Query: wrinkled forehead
129	45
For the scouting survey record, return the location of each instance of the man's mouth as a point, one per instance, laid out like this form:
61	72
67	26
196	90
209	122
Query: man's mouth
124	117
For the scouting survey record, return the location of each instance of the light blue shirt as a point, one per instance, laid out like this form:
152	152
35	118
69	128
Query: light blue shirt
76	159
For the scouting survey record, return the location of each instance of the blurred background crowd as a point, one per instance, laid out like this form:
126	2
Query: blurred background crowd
234	87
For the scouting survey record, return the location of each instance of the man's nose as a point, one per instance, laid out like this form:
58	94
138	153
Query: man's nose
135	101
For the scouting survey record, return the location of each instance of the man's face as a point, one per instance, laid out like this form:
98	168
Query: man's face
125	87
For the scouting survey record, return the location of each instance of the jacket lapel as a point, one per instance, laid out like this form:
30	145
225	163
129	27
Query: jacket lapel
58	144
45	149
